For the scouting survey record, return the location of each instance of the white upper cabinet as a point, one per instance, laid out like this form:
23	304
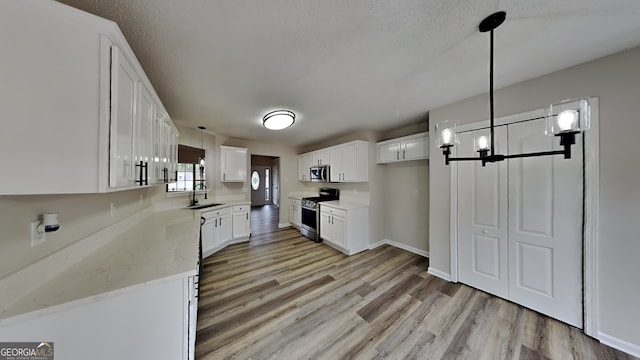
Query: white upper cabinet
77	101
233	164
143	153
350	162
304	165
123	103
320	157
412	147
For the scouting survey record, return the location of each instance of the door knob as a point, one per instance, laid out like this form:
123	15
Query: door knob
485	231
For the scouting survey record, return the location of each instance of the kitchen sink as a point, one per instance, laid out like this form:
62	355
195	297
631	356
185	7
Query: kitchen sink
203	206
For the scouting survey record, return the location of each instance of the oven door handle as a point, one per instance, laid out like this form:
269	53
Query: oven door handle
308	208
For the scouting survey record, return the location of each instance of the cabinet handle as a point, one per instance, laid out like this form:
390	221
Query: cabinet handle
398	155
404	154
216	223
224	177
247	216
220	221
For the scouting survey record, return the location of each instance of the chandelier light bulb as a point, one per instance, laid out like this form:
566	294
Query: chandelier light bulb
567	120
447	135
483	143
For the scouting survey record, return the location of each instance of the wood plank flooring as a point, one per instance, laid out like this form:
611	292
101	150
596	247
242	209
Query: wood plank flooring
282	296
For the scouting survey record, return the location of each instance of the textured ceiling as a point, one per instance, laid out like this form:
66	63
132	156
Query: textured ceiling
350	65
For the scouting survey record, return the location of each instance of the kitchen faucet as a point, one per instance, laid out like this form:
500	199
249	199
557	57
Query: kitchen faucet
193	201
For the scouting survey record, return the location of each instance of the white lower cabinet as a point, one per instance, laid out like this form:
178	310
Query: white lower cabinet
224	224
241	222
216	231
295	212
345	227
192	285
148	321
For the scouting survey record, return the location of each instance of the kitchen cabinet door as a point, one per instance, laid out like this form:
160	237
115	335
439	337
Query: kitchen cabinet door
123	112
295	213
233	164
320	157
326	228
389	152
350	162
144	138
224	231
339	231
406	148
241	222
304	164
415	148
207	233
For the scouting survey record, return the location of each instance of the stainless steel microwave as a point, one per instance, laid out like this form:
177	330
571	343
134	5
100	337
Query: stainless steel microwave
321	173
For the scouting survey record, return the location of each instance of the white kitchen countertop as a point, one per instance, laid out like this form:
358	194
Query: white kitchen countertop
345	205
162	245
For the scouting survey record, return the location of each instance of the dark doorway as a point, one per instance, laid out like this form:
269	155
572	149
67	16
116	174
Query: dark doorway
264	183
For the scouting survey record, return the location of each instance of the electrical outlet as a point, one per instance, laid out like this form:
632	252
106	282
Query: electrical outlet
113	209
37	237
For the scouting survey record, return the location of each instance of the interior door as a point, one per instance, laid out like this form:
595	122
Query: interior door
258	181
545	225
275	195
520	222
482	218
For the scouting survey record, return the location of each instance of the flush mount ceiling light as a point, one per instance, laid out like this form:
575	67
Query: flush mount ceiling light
279	119
564	120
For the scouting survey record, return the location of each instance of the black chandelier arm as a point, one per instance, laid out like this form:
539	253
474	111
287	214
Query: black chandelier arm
566	141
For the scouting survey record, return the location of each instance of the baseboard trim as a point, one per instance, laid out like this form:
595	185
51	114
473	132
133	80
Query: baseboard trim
284	225
614	342
378	244
438	273
399	246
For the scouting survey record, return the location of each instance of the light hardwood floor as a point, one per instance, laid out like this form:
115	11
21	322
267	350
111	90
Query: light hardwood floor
282	296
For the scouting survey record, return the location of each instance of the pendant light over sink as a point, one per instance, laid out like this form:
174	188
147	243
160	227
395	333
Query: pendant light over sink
201	158
564	120
279	119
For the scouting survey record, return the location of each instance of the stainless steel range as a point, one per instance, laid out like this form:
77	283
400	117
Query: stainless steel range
310	225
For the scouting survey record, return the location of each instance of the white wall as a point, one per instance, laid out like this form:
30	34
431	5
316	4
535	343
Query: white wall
406	196
616	81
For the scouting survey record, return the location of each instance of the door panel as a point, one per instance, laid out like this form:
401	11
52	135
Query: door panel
482	218
486	251
535	272
535	185
545	225
258	194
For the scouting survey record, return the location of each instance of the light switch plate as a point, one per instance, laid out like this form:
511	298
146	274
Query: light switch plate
37	238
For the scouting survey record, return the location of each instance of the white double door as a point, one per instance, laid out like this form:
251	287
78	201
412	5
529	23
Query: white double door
520	222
